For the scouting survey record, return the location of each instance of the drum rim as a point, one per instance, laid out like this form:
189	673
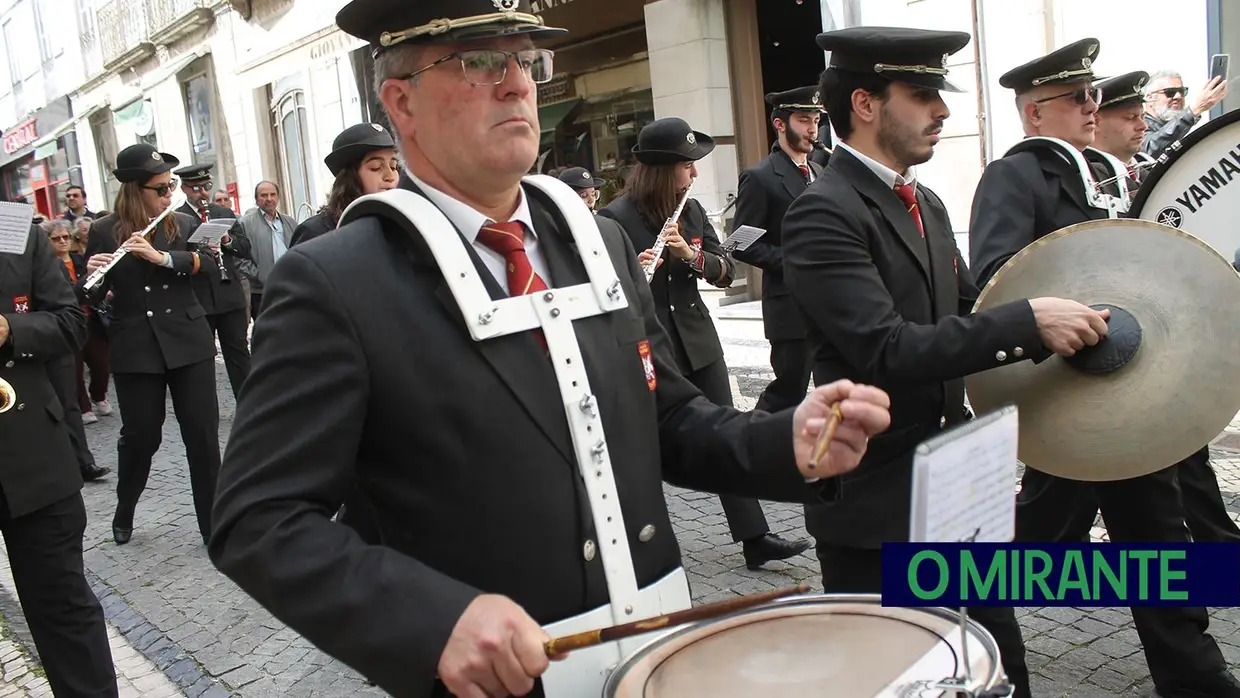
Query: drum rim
1173	154
981	633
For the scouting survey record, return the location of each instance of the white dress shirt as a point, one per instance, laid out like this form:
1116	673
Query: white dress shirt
278	246
889	176
469	221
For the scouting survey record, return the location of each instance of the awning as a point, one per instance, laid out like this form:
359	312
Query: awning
47	144
171	68
550	116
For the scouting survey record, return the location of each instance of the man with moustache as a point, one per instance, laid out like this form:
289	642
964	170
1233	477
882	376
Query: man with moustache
1020	198
1165	114
762	199
870	258
367	375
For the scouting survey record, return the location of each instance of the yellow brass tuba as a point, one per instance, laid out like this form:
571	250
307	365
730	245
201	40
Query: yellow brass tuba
8	396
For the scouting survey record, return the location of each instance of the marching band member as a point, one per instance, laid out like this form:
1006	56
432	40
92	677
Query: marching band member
363	161
159	339
365	375
762	199
42	515
1020	198
221	295
585	184
666	152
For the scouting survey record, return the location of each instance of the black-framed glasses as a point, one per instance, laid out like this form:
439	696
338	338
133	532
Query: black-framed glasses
1081	96
489	66
59	238
1171	92
204	186
163	189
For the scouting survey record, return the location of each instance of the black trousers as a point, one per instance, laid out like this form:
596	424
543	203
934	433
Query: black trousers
142	405
745	517
860	571
62	371
65	618
256	304
792	360
1178	650
231	328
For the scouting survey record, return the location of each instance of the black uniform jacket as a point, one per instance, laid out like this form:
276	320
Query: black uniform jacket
37	464
157	321
214	293
365	376
311	228
764	193
1020	198
674	286
884	306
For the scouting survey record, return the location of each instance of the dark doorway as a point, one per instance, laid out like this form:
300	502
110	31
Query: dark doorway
790	58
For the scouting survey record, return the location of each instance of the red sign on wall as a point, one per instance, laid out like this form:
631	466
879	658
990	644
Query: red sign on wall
20	136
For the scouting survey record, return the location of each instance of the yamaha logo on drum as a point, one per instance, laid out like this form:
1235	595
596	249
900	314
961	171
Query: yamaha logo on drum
1171	216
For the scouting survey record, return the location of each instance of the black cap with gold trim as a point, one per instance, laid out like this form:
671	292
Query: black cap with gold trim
1071	63
139	162
1123	90
799	99
387	23
900	54
195	173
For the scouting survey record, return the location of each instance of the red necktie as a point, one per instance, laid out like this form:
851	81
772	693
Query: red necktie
508	239
805	171
202	213
909	198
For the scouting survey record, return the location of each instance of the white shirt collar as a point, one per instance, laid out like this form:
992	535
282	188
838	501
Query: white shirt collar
889	176
468	220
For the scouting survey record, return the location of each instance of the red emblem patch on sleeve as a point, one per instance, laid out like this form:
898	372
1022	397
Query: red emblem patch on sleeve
643	349
21	304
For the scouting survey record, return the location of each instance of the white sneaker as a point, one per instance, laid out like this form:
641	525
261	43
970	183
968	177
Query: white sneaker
89	418
103	408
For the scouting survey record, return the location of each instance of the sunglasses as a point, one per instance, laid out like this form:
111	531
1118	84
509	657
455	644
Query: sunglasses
205	186
1080	96
163	189
60	238
1171	92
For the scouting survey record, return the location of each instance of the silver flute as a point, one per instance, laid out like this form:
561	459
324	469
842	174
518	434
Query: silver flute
661	241
97	276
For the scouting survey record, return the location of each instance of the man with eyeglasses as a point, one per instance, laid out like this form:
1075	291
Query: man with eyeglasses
1022	197
1165	114
504	472
222	296
75	201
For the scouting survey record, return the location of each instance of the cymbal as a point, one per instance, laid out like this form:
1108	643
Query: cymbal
1164	382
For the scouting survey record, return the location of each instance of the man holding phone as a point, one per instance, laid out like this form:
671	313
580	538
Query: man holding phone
1165	96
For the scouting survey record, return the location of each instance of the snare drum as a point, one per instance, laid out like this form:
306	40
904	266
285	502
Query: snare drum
826	645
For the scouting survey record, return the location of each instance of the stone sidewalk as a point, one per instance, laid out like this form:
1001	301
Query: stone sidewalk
204	637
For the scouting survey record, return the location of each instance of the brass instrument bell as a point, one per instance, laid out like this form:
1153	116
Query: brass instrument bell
8	396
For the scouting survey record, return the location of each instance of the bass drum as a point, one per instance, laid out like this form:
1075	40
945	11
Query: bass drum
1195	186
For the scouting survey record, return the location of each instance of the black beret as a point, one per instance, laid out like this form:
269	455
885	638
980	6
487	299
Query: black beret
1123	90
669	141
353	143
195	173
385	23
1071	63
580	178
140	162
913	56
799	99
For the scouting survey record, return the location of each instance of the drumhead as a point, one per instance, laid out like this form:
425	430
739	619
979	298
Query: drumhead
1196	185
825	645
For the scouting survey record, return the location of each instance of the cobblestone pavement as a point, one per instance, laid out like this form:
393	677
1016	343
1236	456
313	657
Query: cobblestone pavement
169	608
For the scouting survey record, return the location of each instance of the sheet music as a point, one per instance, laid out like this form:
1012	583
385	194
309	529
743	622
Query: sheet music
742	238
209	233
15	227
963	482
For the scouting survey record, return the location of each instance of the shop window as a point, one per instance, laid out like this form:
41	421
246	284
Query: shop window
293	138
198	113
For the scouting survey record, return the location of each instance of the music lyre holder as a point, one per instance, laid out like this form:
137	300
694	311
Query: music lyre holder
742	238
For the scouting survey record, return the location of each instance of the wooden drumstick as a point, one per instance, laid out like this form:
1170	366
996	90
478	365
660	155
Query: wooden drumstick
825	436
590	638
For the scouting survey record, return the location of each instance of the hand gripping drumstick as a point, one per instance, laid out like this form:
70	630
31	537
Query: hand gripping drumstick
825	436
590	638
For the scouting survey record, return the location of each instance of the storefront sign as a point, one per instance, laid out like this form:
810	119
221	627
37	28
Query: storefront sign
329	48
20	136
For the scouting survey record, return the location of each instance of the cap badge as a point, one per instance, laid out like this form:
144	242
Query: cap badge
585	175
505	5
945	56
376	127
817	97
691	138
1086	63
156	156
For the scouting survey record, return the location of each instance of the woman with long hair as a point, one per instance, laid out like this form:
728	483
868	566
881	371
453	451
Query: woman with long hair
363	161
667	151
158	337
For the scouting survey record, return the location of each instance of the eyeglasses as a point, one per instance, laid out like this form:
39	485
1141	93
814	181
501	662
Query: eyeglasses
485	67
1171	92
60	238
1080	96
163	189
205	186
